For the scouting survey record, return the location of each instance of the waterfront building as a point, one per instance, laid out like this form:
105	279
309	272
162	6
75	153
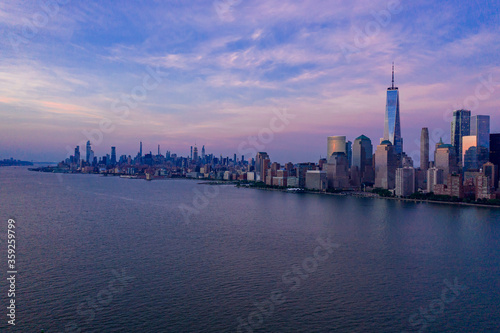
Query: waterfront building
434	177
316	180
491	171
337	171
483	188
405	181
454	187
261	156
302	169
460	127
385	165
392	123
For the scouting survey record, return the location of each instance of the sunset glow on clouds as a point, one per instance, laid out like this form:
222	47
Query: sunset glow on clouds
214	72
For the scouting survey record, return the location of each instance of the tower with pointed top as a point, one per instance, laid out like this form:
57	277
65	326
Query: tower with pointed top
392	124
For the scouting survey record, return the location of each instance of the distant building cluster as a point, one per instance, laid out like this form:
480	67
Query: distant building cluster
467	167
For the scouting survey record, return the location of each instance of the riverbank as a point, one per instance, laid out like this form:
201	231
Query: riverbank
376	196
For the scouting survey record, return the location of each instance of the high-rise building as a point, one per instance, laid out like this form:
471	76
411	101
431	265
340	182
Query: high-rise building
259	158
348	152
491	171
195	154
386	162
405	181
434	177
439	144
77	155
337	171
495	148
362	152
460	127
316	180
203	153
140	150
113	155
301	172
446	160
470	153
424	149
87	152
335	144
392	123
480	127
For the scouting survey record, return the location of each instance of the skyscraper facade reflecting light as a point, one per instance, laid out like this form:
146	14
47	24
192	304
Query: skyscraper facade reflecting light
392	124
460	127
335	144
480	127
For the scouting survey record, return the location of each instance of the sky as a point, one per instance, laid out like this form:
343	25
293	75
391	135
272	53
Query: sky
239	76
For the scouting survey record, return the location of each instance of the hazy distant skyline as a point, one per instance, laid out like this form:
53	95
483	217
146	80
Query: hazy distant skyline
225	66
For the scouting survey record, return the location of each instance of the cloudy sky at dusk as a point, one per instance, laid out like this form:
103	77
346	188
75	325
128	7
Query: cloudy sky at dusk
178	72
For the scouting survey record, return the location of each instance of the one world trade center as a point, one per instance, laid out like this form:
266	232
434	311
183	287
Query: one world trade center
392	125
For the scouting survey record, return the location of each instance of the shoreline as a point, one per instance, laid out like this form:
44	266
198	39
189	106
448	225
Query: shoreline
379	197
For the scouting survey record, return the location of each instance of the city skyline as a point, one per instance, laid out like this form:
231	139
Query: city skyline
218	77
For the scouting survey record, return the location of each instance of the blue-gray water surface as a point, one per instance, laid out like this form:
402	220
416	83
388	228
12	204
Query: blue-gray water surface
105	254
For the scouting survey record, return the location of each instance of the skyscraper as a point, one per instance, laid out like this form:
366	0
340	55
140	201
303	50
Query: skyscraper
140	150
259	160
405	181
470	153
495	148
337	171
386	162
460	127
424	149
362	153
195	154
87	152
335	144
392	124
113	155
446	159
434	177
77	155
348	152
480	127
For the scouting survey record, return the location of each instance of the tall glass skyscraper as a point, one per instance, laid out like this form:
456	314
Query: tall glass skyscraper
480	127
460	127
392	125
362	153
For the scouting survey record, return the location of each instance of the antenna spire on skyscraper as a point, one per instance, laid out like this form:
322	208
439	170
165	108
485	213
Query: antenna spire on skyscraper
393	75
